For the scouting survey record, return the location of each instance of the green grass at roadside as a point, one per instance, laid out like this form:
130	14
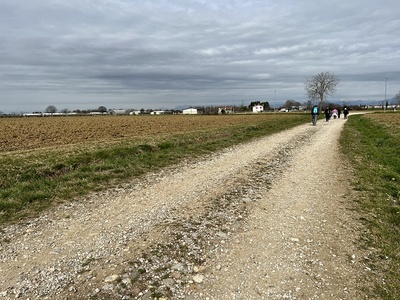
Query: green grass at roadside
372	144
33	181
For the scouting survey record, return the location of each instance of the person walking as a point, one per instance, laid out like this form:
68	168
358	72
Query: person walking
314	114
327	114
345	112
334	113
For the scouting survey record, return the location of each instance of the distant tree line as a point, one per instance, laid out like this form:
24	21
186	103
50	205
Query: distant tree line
318	88
52	109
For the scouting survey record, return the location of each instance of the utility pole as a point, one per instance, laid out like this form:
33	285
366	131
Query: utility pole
386	104
233	107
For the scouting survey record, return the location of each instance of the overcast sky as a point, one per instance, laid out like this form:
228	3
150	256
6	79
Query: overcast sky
80	54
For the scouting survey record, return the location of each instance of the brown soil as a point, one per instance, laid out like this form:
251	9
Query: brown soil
42	132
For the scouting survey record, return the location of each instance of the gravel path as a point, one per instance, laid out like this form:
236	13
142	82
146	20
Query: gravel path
270	219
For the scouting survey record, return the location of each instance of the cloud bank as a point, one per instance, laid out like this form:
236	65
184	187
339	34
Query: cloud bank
150	54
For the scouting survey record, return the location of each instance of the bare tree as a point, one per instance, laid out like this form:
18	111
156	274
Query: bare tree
321	85
397	99
51	109
102	109
290	103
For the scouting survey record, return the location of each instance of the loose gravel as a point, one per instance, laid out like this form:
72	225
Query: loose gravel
269	219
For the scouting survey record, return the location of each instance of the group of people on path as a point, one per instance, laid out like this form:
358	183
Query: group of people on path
335	113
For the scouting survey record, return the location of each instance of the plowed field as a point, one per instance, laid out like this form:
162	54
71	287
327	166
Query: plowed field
42	132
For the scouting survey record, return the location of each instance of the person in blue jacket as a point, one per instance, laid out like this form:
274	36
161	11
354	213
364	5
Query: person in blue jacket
314	114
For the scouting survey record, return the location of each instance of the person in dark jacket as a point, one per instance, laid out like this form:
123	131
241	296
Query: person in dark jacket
327	114
345	112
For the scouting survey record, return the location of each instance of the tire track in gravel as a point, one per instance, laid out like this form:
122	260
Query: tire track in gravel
170	235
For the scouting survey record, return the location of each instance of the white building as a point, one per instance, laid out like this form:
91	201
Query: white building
191	111
158	112
118	112
135	112
258	108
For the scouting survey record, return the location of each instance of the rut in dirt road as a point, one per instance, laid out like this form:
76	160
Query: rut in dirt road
263	220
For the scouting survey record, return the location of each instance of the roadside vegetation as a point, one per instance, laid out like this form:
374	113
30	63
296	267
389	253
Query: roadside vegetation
34	180
372	144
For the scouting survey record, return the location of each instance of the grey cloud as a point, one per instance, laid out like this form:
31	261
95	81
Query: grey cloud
161	50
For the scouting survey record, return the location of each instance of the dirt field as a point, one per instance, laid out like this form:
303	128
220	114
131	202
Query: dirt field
33	133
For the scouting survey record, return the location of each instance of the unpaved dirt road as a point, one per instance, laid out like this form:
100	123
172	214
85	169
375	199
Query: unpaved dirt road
270	219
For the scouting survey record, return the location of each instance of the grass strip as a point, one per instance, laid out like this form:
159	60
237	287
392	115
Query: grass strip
32	182
372	144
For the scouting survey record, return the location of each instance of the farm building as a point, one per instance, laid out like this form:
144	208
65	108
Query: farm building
135	112
96	113
35	114
192	111
158	112
118	112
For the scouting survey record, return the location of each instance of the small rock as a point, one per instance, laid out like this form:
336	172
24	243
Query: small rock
198	278
175	275
178	267
111	278
108	287
222	235
169	282
135	275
